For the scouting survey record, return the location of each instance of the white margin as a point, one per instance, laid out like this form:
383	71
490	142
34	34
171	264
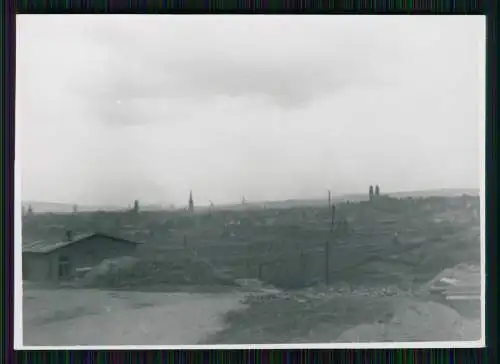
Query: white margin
18	259
384	345
482	171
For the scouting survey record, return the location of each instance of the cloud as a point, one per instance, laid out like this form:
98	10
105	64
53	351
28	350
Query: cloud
113	108
172	60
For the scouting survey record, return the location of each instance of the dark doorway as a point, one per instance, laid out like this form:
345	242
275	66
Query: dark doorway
64	268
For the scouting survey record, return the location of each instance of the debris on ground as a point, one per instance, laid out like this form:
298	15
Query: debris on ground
460	280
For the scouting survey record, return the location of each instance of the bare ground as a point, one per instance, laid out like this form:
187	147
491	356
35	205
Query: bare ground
349	318
68	317
343	313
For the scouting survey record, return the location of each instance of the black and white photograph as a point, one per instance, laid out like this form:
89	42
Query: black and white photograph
235	180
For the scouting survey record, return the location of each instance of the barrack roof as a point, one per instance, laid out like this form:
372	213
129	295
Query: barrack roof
44	246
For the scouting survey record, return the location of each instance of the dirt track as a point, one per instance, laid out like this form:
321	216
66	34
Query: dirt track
68	317
91	317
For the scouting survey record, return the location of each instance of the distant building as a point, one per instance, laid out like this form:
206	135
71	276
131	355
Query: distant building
377	190
62	260
136	206
370	193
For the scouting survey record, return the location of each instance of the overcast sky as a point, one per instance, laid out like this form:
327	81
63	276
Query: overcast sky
117	107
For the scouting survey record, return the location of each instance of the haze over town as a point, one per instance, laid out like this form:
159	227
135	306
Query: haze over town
112	109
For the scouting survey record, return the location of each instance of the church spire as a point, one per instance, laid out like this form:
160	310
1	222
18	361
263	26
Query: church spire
191	203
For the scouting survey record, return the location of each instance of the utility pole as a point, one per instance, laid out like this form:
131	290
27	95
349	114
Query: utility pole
248	261
327	262
333	219
327	249
303	261
329	199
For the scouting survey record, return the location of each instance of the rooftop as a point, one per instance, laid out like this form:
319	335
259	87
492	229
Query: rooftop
45	246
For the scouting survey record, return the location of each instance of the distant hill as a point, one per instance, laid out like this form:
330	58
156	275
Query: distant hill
351	197
446	192
443	192
61	208
55	207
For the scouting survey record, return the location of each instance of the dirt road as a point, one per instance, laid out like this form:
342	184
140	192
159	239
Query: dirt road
92	317
68	317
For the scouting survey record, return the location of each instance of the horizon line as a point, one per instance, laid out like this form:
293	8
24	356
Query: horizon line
250	202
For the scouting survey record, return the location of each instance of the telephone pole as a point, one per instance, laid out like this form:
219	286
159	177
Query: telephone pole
327	262
333	219
327	248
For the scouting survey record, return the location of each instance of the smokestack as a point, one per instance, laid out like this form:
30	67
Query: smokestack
69	235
